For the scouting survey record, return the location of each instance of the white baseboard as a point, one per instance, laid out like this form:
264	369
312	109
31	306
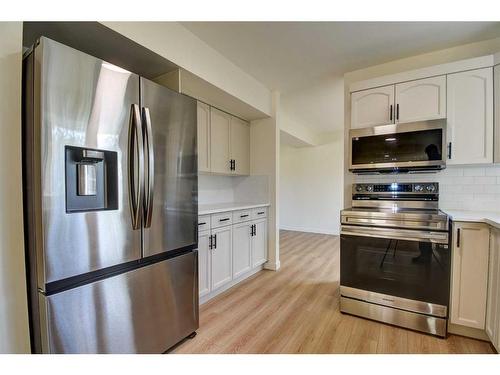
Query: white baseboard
272	266
309	230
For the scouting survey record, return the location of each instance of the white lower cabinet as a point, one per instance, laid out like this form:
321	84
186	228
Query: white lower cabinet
493	300
242	248
228	253
221	256
204	267
259	243
469	284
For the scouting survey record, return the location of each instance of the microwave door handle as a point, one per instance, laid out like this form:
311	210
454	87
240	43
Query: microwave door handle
150	174
135	159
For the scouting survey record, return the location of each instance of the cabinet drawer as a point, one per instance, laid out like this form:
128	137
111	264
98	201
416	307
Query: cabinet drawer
203	223
241	216
259	213
221	220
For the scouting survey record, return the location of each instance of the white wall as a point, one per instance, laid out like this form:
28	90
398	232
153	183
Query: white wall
451	179
311	187
14	333
177	44
264	151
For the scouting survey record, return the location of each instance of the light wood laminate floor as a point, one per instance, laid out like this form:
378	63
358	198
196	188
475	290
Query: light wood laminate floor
296	310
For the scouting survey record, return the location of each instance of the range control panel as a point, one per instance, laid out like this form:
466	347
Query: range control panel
394	187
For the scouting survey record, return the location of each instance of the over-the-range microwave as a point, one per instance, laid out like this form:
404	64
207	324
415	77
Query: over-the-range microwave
399	148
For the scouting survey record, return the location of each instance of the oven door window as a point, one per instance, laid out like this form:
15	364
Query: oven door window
415	270
416	146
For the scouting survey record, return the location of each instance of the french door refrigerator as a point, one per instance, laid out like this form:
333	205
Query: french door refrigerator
111	201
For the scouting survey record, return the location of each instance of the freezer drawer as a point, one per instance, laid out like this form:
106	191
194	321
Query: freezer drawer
147	310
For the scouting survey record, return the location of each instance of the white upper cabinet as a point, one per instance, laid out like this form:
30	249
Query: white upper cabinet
470	117
220	128
203	137
469	282
372	107
420	100
223	142
496	152
240	146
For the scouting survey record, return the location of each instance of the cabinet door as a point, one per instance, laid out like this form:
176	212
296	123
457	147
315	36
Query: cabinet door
203	137
496	90
240	146
420	100
493	300
203	263
220	124
242	242
372	107
470	117
221	257
259	243
469	274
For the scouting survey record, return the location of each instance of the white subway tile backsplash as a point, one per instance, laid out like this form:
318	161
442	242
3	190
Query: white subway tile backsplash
490	180
474	171
460	188
492	171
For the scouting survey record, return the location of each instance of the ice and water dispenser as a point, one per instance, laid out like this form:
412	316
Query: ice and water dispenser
91	179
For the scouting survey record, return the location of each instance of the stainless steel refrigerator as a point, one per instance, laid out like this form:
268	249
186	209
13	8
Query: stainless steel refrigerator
111	203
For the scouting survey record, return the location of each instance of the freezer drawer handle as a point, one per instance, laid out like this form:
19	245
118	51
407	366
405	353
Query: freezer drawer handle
135	178
150	176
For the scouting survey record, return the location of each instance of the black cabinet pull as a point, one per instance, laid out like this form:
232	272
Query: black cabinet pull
210	242
458	237
260	213
225	219
390	113
254	229
397	111
242	216
234	165
215	241
449	150
201	223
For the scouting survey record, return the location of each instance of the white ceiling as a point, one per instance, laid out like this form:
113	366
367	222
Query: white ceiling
290	55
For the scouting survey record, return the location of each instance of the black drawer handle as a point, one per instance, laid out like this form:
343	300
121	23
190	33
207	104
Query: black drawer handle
242	216
201	223
226	219
260	213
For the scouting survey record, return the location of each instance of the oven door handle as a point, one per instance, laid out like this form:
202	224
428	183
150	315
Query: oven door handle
396	234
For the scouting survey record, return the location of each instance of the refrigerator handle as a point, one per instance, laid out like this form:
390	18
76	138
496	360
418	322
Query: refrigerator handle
135	158
149	161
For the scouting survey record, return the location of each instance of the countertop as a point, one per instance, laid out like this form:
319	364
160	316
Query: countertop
206	209
491	218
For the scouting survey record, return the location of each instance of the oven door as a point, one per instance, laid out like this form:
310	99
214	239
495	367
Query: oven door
408	147
378	264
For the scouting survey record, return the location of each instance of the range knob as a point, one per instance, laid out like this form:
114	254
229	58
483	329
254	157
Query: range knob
430	188
369	187
359	188
419	188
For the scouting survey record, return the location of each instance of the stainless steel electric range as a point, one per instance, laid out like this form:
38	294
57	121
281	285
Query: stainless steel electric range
395	256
